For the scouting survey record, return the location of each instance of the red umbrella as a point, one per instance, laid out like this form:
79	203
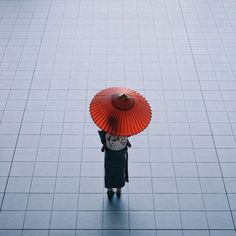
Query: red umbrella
120	111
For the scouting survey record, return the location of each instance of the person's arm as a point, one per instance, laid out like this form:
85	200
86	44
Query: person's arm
103	140
128	143
103	148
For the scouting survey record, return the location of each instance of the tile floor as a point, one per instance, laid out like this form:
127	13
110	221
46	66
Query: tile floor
56	54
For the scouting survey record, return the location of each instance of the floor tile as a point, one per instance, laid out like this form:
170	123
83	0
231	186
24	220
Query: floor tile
168	220
56	55
37	220
142	220
63	220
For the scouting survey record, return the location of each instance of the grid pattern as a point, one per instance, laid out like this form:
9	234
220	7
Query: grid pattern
56	54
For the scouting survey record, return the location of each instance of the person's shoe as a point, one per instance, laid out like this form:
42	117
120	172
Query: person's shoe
110	193
118	192
110	190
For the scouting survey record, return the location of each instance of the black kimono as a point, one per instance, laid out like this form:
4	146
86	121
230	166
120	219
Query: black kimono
115	164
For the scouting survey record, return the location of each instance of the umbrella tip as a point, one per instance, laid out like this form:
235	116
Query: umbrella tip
123	96
122	101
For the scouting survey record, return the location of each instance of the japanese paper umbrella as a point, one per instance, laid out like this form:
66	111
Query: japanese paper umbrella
120	111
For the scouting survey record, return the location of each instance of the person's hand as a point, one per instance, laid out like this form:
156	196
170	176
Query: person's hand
103	149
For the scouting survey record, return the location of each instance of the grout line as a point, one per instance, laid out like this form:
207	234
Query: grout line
85	109
25	106
81	152
230	123
166	113
106	85
189	127
124	81
148	137
58	160
185	26
124	229
44	111
1	117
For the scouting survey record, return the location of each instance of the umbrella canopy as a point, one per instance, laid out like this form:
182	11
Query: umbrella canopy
120	111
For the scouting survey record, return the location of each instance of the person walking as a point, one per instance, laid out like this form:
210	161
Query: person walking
115	161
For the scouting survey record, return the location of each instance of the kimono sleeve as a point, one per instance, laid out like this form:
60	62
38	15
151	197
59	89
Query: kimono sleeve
102	136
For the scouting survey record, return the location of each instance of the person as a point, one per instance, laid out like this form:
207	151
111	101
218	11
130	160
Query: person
115	161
